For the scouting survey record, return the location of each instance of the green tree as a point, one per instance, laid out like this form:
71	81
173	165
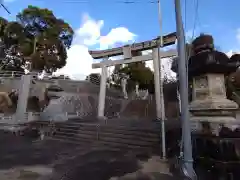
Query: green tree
137	73
170	87
11	34
36	36
94	78
50	37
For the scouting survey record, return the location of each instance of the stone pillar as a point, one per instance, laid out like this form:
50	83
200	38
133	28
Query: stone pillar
210	104
157	72
137	90
127	53
124	85
102	93
23	97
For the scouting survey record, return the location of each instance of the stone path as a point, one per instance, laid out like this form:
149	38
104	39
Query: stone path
152	169
26	173
22	159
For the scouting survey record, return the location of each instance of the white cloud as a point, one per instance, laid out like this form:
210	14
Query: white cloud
232	52
166	65
90	31
120	35
149	64
191	34
238	35
79	61
237	49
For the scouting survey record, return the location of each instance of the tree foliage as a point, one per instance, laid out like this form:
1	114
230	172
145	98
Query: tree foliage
36	36
94	78
138	73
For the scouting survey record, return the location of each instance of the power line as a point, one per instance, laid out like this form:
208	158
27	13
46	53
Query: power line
5	8
135	2
195	17
185	14
108	2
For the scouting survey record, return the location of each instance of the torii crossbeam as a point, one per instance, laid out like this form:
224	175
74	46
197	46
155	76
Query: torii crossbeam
169	39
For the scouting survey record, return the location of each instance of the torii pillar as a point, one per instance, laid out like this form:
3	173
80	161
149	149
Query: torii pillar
102	93
127	54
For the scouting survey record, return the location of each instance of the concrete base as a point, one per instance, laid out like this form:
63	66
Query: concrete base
210	108
154	169
215	123
102	118
213	104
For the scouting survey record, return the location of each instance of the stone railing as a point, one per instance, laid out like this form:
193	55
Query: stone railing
65	116
11	119
6	118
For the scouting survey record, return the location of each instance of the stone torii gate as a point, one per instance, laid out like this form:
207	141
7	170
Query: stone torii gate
131	54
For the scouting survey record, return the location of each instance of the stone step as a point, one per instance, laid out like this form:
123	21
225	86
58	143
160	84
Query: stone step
112	132
111	137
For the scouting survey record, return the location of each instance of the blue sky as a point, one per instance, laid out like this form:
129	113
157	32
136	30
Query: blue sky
139	21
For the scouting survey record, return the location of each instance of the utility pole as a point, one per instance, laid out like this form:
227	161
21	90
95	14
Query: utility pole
161	85
182	71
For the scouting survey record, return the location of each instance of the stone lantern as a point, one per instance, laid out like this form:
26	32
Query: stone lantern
207	69
213	116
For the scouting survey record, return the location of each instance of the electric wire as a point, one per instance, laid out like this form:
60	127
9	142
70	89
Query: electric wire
196	4
107	2
5	8
185	14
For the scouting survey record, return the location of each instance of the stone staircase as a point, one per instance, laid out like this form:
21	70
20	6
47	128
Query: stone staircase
135	109
112	135
126	134
130	123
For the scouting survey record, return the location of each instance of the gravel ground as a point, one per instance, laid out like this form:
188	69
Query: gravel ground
22	158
